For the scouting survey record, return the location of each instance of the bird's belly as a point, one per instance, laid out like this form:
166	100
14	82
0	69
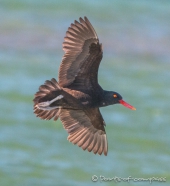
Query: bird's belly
76	99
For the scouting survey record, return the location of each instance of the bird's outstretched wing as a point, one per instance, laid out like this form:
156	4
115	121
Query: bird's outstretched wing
83	53
86	129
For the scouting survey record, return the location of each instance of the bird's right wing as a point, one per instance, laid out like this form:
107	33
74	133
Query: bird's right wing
86	129
83	53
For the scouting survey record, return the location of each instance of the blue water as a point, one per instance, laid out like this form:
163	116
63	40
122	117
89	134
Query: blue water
136	63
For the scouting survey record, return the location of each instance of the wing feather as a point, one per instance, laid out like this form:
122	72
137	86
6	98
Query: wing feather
82	57
86	129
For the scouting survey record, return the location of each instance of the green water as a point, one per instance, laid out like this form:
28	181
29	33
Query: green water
136	63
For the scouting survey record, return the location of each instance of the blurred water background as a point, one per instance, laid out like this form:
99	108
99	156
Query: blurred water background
136	63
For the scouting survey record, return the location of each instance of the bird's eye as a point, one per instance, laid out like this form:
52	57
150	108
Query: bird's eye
114	95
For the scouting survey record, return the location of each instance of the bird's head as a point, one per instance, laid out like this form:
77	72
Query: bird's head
111	98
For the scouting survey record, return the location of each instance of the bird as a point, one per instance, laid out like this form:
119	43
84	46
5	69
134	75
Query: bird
77	96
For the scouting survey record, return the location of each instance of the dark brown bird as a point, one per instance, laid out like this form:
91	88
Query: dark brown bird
77	96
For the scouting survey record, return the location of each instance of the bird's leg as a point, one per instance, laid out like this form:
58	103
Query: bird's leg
46	105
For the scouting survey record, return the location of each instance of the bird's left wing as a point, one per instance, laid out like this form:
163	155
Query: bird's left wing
86	129
83	53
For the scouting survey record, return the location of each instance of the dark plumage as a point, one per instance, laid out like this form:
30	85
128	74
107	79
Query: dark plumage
77	96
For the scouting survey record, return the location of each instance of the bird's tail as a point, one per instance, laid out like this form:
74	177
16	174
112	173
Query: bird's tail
47	94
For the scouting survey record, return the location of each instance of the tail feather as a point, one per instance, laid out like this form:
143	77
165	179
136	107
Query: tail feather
45	91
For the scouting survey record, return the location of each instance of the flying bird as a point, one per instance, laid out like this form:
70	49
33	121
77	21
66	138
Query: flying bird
77	96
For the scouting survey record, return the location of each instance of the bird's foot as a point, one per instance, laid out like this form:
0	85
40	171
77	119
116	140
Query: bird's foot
46	105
